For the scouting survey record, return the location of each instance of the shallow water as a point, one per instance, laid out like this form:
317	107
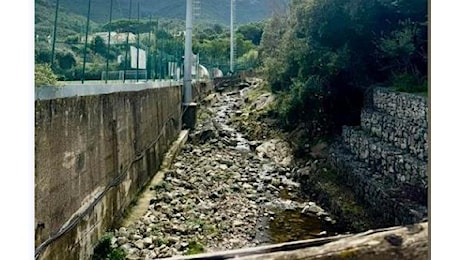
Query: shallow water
292	225
283	225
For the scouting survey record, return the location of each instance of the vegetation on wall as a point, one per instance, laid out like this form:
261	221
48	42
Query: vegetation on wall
104	251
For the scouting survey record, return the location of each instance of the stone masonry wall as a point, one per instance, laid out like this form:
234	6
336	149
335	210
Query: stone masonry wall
93	154
401	105
398	166
385	158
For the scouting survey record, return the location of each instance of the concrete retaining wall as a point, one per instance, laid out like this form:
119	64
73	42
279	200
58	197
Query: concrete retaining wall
102	149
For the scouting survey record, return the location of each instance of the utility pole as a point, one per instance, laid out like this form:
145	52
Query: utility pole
188	54
108	43
189	108
86	42
232	40
54	34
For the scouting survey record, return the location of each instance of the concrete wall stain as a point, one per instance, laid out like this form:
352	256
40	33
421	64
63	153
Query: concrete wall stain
83	144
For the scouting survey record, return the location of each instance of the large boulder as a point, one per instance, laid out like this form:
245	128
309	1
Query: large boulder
277	150
203	135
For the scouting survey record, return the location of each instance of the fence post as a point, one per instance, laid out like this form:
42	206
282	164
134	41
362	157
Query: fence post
108	43
86	42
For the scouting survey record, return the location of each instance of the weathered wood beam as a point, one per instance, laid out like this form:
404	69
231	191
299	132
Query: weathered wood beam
409	242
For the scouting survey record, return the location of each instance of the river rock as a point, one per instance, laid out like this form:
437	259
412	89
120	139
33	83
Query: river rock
135	236
203	136
122	240
247	186
125	247
277	150
151	255
133	254
313	208
147	241
139	244
214	192
122	232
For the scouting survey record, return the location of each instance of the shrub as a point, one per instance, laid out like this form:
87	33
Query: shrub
406	82
194	247
44	76
104	251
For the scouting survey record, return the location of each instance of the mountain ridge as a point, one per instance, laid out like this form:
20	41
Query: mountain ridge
217	11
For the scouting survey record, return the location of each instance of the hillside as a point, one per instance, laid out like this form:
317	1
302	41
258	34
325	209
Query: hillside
69	23
211	10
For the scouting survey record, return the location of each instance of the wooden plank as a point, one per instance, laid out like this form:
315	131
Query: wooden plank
410	242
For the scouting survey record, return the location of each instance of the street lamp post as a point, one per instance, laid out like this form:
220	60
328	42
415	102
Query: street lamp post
188	54
189	116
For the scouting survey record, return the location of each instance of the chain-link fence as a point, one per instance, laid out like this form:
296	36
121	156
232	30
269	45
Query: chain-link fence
79	49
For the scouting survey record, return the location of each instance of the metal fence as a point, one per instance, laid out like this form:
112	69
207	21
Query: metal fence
149	60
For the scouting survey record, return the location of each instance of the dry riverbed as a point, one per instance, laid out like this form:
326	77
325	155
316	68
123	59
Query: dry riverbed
223	192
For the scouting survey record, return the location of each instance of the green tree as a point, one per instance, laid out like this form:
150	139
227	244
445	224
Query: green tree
217	28
249	60
252	32
42	56
98	45
66	60
322	55
272	52
134	26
